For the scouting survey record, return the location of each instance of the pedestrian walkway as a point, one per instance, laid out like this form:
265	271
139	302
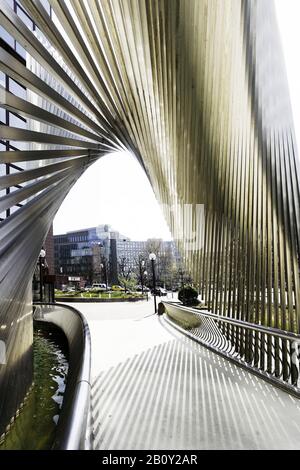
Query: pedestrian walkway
154	388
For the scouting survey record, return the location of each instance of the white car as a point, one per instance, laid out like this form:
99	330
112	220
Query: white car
98	286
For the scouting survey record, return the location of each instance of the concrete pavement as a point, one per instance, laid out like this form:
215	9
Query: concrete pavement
153	388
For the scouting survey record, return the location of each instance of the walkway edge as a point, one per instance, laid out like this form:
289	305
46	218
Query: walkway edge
74	425
267	377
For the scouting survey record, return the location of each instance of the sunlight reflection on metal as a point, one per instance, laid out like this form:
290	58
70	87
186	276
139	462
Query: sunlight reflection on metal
197	92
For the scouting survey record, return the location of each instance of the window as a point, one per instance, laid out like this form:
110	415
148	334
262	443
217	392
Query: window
20	50
7	37
3	116
2	78
25	18
46	5
16	88
15	121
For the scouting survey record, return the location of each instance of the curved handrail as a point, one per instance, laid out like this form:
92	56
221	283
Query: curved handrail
73	429
271	353
249	326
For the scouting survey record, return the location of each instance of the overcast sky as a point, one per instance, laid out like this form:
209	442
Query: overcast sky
115	189
288	15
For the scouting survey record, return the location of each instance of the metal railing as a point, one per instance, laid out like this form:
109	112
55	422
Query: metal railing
272	353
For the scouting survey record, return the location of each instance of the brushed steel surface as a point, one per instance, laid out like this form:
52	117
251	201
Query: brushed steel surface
197	91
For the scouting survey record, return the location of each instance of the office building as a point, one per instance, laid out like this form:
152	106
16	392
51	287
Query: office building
100	253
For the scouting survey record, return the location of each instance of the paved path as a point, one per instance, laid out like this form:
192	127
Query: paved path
156	389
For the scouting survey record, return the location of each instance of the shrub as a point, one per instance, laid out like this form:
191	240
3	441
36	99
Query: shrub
188	296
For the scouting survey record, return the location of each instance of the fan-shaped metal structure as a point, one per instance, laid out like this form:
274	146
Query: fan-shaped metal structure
197	91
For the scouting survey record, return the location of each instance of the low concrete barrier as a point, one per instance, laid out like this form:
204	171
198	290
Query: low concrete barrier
74	428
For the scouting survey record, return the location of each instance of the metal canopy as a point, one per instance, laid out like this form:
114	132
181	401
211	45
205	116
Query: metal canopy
197	91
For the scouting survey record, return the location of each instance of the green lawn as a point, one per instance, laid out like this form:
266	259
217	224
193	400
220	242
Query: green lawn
100	295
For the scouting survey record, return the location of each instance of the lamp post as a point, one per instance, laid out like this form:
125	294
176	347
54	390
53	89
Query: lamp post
152	258
61	270
142	275
145	274
103	266
41	258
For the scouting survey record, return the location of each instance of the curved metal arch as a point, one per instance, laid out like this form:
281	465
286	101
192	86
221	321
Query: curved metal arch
196	90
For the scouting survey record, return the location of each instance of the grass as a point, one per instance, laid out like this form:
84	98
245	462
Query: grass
186	320
100	295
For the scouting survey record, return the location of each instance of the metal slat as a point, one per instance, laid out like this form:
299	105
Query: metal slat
197	92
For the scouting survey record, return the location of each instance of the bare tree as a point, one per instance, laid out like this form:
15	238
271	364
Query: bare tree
153	245
124	267
165	265
140	269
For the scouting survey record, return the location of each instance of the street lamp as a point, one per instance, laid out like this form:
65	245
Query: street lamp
142	275
103	266
152	258
41	258
146	274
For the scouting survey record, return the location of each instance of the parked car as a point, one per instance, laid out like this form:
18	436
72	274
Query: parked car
159	291
98	286
116	287
139	288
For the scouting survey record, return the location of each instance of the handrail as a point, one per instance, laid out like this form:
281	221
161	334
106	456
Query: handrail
73	429
233	321
271	353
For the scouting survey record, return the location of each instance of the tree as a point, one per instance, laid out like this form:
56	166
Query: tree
127	278
124	268
165	266
104	270
128	284
153	245
182	276
140	268
188	296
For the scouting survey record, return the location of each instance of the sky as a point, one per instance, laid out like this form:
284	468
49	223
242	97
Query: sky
288	16
115	190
